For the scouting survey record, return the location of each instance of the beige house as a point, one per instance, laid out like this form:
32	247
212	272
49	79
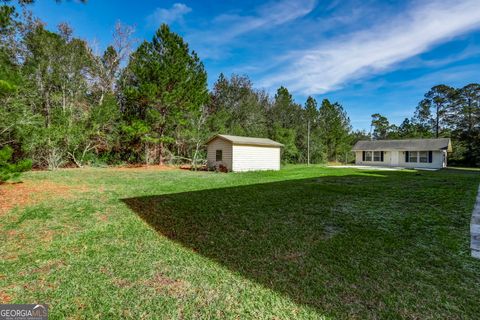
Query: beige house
412	153
237	153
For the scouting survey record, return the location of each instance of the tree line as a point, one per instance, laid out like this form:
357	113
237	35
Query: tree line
444	112
62	103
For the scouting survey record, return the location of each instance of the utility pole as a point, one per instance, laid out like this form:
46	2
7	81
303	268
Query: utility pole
308	142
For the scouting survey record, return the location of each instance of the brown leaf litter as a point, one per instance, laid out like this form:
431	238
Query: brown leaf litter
31	192
153	167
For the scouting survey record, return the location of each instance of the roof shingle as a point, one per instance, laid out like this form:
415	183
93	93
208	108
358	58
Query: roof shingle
405	145
247	140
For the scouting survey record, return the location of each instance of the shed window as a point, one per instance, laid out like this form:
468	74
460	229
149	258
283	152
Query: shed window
218	155
413	156
368	155
423	156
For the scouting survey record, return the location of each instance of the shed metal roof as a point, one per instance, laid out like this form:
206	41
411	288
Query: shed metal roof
247	140
405	145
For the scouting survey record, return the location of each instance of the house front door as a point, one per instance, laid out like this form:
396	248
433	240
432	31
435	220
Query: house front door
394	158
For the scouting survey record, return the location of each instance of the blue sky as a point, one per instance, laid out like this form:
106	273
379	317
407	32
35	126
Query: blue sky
371	56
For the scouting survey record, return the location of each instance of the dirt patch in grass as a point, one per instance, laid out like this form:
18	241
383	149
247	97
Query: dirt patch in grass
158	282
11	257
38	285
155	167
161	283
103	217
47	268
32	192
5	298
189	167
47	235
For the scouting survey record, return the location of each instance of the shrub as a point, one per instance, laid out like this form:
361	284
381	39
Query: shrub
9	170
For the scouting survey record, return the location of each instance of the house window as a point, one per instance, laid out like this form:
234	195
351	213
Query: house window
423	156
377	156
368	155
413	156
419	156
218	155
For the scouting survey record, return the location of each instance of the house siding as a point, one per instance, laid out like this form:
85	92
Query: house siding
386	159
226	147
437	160
248	158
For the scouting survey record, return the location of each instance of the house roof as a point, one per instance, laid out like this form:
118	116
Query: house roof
247	140
405	145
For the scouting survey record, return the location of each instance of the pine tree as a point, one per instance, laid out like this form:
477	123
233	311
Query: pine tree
334	126
165	84
285	121
237	108
8	169
466	122
434	110
381	126
309	140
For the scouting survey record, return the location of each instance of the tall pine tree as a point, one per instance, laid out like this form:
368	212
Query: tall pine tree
435	109
165	84
334	129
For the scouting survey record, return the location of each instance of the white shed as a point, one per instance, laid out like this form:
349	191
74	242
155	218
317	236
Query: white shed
237	153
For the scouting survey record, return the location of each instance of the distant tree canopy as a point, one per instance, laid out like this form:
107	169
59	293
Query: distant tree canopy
381	126
334	129
62	104
444	112
236	107
435	111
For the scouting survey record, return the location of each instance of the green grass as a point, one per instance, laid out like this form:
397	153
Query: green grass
301	243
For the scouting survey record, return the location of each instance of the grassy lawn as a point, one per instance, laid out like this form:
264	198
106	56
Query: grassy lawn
301	243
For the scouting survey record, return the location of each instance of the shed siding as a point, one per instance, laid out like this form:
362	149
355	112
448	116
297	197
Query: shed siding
247	158
226	147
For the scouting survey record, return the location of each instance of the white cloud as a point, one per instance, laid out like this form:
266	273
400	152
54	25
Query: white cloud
228	27
334	62
173	14
267	16
456	76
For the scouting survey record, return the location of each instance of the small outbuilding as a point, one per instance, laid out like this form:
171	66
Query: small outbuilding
411	153
237	153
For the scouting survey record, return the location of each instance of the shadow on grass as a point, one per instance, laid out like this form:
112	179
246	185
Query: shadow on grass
324	242
464	169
